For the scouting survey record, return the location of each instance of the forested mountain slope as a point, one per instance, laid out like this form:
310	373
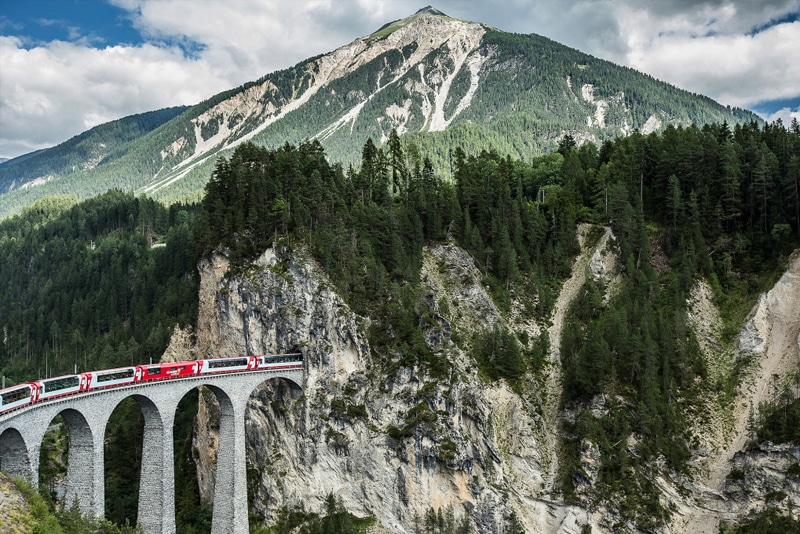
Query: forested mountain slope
441	81
98	146
458	350
438	375
83	284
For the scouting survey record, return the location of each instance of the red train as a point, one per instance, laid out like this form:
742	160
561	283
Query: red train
50	388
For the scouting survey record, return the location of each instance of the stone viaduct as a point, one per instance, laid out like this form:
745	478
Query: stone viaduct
86	416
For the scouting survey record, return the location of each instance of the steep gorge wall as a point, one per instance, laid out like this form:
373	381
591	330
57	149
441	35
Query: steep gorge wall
481	449
477	449
734	480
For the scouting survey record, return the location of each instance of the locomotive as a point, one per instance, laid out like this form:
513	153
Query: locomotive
22	395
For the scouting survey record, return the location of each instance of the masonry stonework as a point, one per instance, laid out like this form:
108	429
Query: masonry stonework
86	416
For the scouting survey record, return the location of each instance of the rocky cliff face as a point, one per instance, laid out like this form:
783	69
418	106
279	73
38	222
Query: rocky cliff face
765	476
458	444
733	480
396	446
389	447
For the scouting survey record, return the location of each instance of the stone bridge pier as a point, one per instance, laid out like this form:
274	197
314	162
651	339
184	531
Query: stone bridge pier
86	416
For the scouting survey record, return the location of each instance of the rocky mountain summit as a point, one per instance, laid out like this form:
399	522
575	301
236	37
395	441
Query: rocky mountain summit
432	77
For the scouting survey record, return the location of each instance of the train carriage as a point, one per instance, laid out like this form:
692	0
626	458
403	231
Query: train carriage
280	361
52	388
166	371
111	377
16	397
226	365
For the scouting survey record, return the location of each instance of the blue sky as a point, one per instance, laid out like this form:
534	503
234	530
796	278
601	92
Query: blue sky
68	65
38	22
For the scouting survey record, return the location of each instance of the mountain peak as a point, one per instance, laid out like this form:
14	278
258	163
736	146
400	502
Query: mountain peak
430	10
390	27
423	74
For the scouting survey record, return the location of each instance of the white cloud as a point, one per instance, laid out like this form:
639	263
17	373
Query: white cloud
48	94
243	40
740	70
786	115
730	50
55	90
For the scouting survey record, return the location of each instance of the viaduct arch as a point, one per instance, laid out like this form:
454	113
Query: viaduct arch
86	416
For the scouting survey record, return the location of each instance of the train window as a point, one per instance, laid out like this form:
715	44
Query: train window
228	362
154	370
119	375
17	394
60	383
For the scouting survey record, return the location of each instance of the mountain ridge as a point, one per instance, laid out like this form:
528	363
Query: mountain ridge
428	75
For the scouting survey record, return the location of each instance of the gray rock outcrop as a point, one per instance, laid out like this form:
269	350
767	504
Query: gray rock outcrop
395	444
389	446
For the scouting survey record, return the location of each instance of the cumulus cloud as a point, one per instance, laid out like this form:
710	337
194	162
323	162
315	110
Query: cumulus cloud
243	40
786	115
48	94
740	70
736	51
